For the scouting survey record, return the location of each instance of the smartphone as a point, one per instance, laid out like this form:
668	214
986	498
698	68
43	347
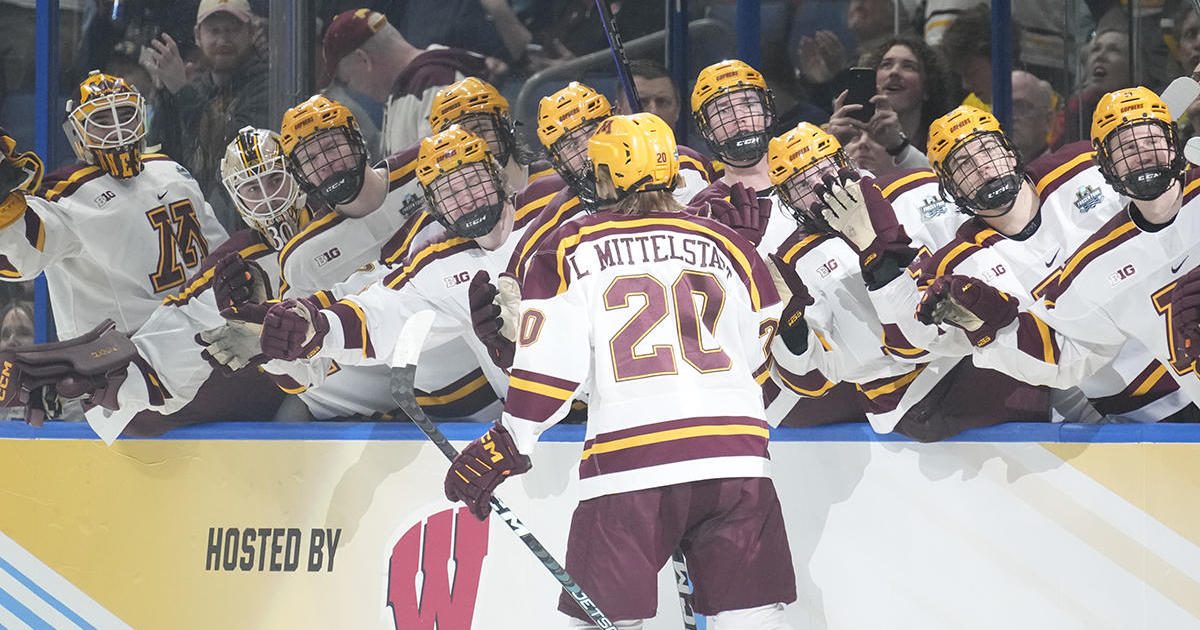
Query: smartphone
860	87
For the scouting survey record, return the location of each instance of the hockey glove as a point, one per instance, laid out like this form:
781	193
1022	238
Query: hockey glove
18	171
94	364
745	212
967	303
793	330
236	344
1185	318
856	210
481	466
293	329
486	319
237	281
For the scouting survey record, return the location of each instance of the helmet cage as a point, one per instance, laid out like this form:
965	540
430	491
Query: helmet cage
268	199
570	149
108	130
468	199
331	163
1146	177
717	117
973	197
496	130
798	192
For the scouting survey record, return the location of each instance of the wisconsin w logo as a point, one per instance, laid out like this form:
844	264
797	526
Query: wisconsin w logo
422	588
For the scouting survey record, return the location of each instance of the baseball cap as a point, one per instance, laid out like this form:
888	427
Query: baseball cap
348	30
239	8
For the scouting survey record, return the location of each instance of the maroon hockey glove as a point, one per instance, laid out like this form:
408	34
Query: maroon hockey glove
968	303
237	281
293	329
1185	318
481	466
745	212
94	364
485	319
856	210
793	330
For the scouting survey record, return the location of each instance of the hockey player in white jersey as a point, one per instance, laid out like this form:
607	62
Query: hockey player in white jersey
683	389
1062	200
1119	284
116	234
735	112
461	183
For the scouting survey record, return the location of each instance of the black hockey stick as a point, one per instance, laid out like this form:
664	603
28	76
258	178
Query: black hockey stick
683	584
404	371
619	58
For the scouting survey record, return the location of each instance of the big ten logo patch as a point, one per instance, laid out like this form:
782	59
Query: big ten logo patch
993	273
829	267
103	198
422	587
1121	275
457	279
327	257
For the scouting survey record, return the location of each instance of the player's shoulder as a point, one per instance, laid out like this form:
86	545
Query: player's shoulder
537	195
1191	184
313	234
400	245
428	258
691	159
893	185
401	166
66	181
1119	229
800	244
1049	172
971	237
538	169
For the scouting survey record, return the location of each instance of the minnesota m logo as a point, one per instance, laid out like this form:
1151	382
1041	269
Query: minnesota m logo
422	590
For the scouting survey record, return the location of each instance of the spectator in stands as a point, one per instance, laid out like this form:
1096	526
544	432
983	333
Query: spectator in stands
1106	70
655	88
1033	115
967	48
387	81
196	119
911	88
16	325
1187	38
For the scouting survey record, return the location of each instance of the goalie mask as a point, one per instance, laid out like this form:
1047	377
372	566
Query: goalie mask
477	107
734	111
254	172
1136	144
461	182
797	162
974	162
566	120
324	149
637	152
107	126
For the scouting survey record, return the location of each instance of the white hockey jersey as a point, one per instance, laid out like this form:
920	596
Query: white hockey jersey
657	319
111	248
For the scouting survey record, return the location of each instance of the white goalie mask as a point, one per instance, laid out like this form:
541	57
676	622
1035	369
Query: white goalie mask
254	172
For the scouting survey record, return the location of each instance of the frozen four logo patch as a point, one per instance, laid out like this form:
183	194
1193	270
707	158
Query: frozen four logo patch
933	206
1087	198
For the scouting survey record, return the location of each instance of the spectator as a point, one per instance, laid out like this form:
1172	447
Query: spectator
1106	70
910	92
967	48
394	81
823	56
1032	115
655	88
16	325
1187	58
196	119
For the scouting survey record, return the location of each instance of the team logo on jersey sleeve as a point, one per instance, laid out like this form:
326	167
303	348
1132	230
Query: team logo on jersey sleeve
933	206
1087	198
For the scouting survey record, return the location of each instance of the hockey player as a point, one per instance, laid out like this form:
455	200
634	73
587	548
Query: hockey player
693	456
1121	283
461	184
1060	203
116	234
735	112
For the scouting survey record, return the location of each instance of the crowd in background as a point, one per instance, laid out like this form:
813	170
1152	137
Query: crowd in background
205	80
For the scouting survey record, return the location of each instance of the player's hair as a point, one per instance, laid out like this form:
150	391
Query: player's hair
635	204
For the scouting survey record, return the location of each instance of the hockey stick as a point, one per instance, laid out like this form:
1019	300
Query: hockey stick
404	371
619	58
683	584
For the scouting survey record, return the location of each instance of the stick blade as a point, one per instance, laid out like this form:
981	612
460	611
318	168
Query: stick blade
1179	95
411	338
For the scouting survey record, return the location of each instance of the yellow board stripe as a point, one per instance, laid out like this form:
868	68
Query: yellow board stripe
460	393
672	435
542	389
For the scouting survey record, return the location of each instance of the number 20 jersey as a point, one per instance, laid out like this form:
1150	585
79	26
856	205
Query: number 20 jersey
662	320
